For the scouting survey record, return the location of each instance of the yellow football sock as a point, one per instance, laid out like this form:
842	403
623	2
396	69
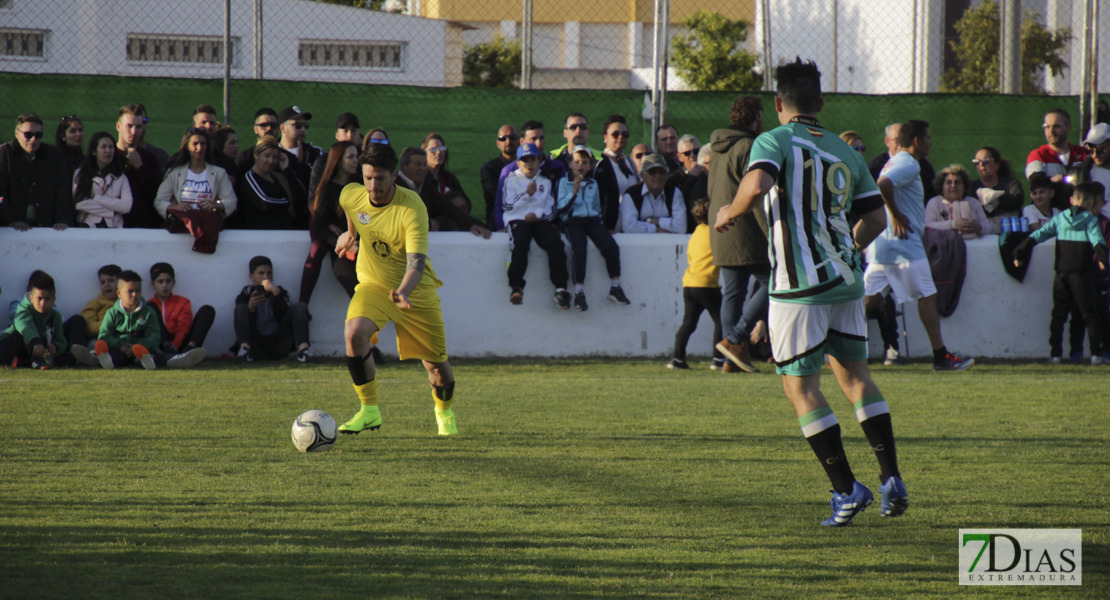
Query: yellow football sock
443	404
367	393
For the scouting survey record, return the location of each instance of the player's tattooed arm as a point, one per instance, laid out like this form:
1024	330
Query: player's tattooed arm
416	262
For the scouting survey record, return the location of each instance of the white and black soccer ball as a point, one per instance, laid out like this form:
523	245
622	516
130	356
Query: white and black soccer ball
314	431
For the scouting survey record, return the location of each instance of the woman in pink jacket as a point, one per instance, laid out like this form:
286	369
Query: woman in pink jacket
101	192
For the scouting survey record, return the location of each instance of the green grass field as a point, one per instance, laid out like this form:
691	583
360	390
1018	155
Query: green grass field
572	479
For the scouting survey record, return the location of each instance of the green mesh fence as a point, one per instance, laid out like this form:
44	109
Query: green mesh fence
468	118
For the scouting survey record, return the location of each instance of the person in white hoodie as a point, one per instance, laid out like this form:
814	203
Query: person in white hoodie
528	204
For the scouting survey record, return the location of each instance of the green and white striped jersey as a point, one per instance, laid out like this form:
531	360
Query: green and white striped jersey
818	178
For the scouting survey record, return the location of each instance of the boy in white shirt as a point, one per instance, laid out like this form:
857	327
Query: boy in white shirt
528	205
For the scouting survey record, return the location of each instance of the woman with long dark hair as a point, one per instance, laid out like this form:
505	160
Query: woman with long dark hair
192	181
224	150
328	221
437	164
101	192
70	139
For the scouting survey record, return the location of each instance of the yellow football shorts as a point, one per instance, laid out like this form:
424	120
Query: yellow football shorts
420	331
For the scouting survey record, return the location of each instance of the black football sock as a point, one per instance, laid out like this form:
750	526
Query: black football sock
822	431
874	419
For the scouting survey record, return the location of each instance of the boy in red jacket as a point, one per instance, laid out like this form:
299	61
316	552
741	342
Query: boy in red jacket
181	331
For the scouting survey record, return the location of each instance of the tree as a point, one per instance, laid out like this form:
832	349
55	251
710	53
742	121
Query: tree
493	64
712	57
977	52
371	4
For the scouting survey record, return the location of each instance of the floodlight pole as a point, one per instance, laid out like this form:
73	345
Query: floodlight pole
227	62
526	47
659	83
1010	48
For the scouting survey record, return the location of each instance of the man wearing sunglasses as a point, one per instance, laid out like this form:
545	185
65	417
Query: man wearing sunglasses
508	140
1096	167
303	154
265	126
576	131
33	180
1058	156
615	172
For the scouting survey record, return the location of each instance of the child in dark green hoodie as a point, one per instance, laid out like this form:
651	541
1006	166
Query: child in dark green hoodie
36	335
1079	245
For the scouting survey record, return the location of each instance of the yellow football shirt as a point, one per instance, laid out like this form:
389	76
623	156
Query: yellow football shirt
386	235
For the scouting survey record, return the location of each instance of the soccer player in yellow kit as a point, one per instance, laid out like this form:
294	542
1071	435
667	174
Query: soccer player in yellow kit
395	283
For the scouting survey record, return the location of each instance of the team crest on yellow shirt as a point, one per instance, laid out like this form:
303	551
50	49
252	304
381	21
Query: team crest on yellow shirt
380	248
363	217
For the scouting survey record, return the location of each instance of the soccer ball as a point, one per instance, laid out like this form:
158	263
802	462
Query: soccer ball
314	431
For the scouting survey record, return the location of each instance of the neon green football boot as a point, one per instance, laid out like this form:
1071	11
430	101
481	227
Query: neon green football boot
446	421
369	417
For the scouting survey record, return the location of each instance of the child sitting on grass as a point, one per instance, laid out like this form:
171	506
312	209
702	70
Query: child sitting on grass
182	334
700	289
267	326
131	330
36	337
95	310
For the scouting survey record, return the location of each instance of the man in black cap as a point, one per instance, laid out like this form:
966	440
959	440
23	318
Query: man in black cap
294	126
346	130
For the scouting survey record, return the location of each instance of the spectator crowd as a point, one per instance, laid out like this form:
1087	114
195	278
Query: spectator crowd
584	189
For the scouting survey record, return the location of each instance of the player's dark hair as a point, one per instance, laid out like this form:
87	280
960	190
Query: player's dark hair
130	277
109	270
260	261
207	109
160	268
380	156
41	281
1088	192
912	130
744	111
798	85
530	126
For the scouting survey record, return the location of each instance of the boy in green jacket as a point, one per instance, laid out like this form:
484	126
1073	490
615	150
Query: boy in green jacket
130	327
36	334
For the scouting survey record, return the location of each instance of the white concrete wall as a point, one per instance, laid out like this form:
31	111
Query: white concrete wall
997	316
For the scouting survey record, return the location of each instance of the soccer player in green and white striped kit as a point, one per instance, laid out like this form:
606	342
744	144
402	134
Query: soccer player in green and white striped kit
811	181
